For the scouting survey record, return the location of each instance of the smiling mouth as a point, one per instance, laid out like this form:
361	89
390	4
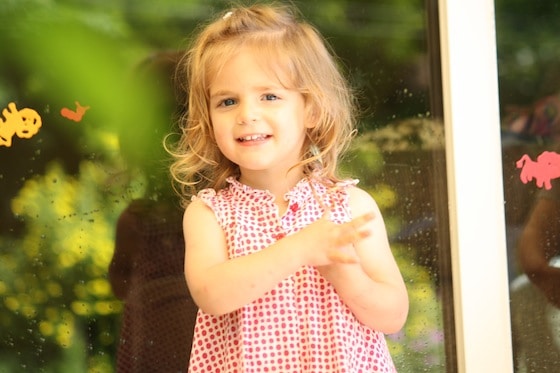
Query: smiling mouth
259	137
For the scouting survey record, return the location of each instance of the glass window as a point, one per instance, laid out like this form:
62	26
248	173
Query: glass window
90	232
529	80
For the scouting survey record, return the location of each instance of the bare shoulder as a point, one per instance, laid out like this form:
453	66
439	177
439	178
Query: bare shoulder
204	239
361	202
197	209
196	206
199	219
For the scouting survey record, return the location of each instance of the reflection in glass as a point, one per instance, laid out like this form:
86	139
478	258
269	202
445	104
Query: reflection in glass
64	188
530	101
147	268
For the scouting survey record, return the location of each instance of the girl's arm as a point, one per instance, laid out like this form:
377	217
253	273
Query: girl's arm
373	289
538	244
127	243
220	285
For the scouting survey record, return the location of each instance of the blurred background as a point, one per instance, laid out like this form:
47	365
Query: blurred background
81	129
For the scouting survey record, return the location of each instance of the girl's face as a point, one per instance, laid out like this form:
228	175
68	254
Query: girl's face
258	123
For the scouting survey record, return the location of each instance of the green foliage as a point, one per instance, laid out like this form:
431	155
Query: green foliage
421	342
55	284
419	345
528	50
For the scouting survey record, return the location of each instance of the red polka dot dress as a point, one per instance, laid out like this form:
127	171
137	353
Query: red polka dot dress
301	325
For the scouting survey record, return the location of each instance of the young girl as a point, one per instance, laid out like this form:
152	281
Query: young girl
289	264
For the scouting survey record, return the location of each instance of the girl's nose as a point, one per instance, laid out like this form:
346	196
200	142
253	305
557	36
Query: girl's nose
248	113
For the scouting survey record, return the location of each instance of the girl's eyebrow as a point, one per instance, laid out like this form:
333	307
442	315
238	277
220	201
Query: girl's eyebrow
221	93
226	92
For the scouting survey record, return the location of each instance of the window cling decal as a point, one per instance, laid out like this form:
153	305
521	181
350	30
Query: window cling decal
546	168
538	123
24	123
75	115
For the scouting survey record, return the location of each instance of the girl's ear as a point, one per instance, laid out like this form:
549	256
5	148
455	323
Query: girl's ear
311	115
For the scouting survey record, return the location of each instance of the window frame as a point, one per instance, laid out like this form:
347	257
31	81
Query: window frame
475	186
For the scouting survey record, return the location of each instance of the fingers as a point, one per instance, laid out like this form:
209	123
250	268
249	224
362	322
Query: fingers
337	240
350	234
343	256
362	219
356	229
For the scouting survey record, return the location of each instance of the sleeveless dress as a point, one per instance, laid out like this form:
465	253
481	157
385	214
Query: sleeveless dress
301	325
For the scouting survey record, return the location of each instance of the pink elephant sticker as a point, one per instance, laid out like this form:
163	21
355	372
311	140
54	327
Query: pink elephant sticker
546	168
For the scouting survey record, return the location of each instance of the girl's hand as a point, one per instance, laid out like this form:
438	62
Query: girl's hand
547	280
327	242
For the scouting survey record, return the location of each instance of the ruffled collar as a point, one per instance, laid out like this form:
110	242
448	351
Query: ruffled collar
302	191
248	193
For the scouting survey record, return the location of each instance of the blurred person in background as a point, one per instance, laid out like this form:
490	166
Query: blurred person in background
147	268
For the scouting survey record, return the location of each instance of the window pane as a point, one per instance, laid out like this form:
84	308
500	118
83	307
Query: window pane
92	265
529	79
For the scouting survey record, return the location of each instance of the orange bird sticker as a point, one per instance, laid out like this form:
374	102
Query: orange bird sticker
75	115
24	123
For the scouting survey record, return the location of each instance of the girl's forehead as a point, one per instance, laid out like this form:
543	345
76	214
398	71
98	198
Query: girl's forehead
273	65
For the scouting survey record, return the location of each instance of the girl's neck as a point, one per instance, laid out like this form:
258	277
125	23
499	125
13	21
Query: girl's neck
277	184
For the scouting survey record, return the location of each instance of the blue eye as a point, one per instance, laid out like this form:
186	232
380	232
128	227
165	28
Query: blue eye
271	97
228	102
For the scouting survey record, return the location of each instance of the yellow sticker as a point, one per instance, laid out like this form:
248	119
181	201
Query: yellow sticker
24	123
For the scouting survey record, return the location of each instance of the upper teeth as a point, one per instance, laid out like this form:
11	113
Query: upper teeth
252	137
